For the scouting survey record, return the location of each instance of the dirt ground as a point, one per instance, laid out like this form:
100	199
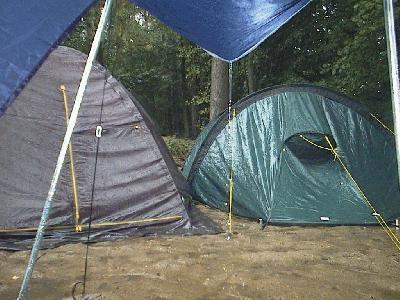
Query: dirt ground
276	263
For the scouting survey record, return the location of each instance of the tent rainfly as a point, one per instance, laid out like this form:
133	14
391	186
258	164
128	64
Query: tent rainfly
300	154
134	184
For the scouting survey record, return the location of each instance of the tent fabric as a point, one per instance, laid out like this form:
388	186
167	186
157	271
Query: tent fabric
283	179
135	180
30	30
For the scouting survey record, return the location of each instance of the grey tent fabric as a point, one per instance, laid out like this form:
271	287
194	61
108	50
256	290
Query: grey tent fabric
136	180
282	178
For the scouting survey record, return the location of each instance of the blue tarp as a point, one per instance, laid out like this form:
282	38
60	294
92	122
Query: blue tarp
29	30
228	29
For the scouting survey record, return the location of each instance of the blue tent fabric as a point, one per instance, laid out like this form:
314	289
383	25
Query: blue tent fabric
29	30
229	29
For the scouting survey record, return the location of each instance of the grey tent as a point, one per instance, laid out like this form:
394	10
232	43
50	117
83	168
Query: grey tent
301	154
127	174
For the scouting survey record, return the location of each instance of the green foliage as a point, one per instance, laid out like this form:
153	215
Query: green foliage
361	67
197	77
340	44
144	55
81	38
179	148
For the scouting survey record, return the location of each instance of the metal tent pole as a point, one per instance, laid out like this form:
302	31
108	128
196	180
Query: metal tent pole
64	148
389	8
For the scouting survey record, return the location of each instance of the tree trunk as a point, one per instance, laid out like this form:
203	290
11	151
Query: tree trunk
174	112
251	79
186	128
183	95
219	87
194	120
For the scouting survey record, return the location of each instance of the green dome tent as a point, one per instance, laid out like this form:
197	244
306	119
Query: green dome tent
300	154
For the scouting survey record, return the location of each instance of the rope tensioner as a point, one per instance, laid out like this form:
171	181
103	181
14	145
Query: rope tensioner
99	131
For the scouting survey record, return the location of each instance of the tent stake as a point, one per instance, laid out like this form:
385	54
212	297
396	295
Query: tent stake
389	8
74	114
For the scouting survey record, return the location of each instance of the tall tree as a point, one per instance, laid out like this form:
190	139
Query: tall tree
251	75
219	87
183	94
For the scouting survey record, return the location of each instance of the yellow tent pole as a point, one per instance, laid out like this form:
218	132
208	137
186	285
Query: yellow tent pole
78	227
97	225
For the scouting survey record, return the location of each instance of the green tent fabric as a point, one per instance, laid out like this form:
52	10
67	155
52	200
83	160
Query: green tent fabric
280	173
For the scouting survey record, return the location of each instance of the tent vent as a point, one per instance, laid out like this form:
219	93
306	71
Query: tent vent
311	147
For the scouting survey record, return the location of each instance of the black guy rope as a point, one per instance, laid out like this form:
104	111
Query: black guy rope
98	135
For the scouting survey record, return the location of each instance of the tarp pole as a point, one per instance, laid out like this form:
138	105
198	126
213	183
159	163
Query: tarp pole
389	8
64	148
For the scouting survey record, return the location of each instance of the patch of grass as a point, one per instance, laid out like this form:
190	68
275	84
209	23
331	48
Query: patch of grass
179	148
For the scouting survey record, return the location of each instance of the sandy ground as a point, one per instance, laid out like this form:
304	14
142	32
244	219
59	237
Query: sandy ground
276	263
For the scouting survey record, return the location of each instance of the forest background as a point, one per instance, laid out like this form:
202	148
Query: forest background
339	44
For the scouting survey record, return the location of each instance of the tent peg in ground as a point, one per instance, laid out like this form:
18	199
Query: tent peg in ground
262	223
228	236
